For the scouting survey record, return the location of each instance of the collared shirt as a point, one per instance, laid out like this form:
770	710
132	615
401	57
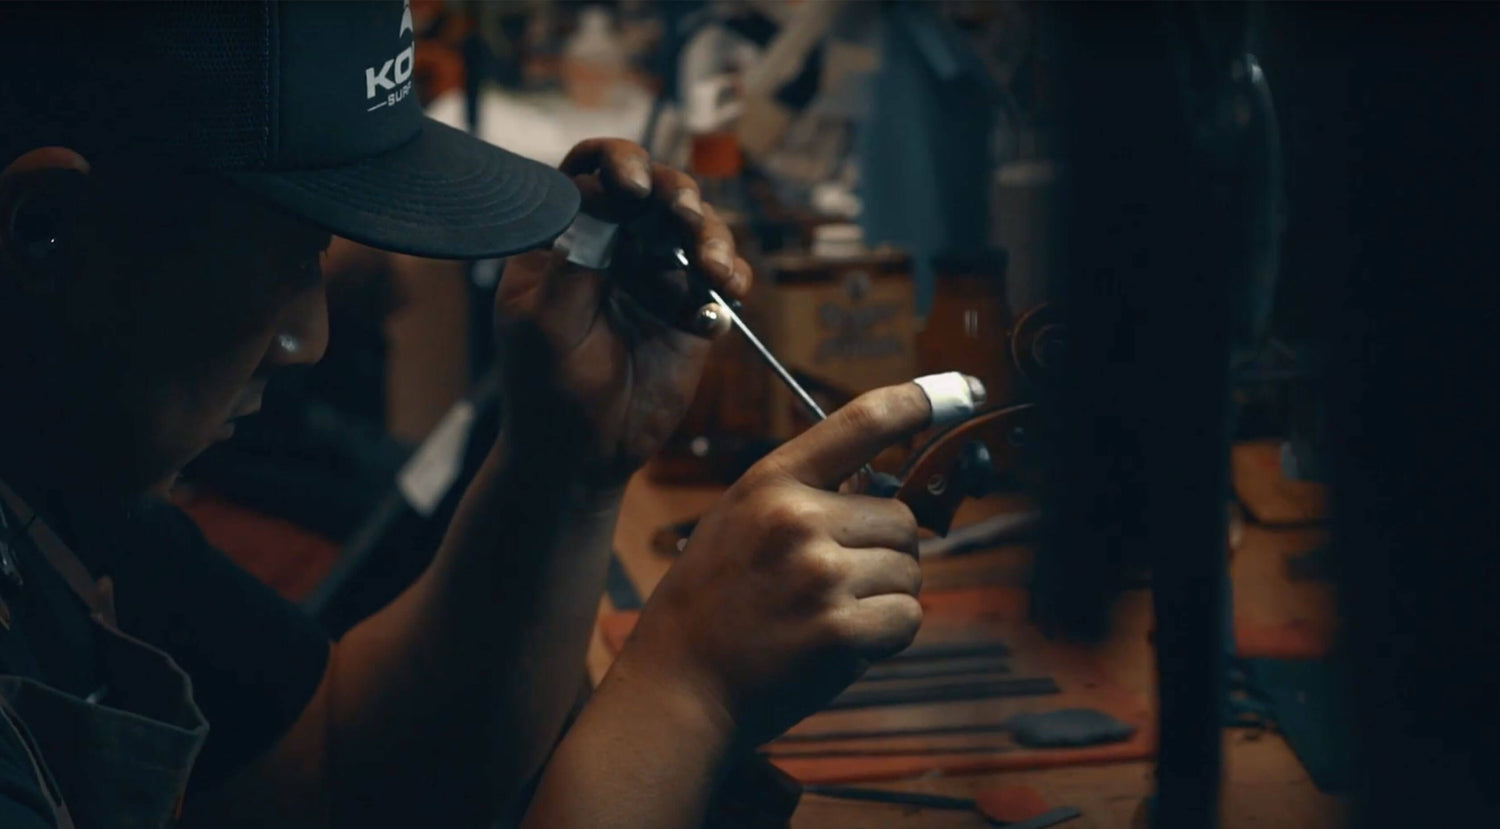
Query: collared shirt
254	658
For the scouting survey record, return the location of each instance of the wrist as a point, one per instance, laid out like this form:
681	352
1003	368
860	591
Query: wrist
680	697
546	461
552	440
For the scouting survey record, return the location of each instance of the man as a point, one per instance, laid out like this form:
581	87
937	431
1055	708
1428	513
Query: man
171	174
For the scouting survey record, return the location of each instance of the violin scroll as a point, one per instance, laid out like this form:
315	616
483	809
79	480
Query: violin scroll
970	460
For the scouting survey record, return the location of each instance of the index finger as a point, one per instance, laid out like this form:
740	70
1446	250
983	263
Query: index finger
836	448
620	163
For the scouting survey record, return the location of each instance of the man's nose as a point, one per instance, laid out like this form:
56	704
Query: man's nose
301	336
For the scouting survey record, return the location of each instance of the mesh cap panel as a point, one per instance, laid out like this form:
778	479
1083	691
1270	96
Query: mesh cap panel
186	82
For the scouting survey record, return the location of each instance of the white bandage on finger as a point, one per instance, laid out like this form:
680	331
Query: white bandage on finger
954	396
590	242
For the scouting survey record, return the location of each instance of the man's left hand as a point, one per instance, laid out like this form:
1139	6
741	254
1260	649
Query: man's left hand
585	365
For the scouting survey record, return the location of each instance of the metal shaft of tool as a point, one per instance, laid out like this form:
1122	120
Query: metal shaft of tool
765	353
776	366
768	357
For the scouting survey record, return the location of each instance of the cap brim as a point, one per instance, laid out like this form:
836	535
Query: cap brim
444	195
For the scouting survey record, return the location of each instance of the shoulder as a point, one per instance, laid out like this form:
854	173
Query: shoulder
254	658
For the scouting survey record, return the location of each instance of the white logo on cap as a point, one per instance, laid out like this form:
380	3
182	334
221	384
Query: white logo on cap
397	83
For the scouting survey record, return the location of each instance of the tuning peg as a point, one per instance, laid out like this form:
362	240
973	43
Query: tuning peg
976	469
883	485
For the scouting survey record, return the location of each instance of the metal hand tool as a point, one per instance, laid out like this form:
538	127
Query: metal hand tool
725	308
765	353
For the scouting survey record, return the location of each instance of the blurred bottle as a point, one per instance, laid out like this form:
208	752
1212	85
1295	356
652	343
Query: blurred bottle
838	241
593	60
714	157
968	327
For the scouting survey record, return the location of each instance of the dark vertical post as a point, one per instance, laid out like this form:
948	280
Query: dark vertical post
1155	245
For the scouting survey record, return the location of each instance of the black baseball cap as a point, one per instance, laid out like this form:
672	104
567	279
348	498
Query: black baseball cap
310	105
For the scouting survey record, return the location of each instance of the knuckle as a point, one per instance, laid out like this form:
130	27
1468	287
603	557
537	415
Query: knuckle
837	629
911	574
744	273
789	518
821	569
763	472
716	227
904	524
914	616
913	544
901	514
773	511
905	620
714	245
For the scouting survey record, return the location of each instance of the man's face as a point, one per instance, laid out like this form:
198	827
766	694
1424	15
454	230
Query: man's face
189	296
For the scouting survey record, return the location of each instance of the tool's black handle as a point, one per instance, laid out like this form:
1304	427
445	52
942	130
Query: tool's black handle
651	275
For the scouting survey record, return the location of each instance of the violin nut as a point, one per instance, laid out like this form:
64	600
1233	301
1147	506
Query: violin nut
883	485
976	471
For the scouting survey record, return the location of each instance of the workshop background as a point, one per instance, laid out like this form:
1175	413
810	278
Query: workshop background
1148	231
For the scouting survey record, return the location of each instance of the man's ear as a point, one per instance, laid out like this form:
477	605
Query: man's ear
41	196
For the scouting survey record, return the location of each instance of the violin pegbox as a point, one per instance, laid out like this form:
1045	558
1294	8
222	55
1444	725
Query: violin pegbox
970	460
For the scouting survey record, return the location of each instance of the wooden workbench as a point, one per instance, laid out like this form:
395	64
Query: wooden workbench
1265	784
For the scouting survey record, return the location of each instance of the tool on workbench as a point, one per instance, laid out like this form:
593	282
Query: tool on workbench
1061	728
822	754
951	650
898	671
1015	807
945	692
842	734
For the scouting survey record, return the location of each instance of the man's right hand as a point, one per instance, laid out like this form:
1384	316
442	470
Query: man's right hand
788	590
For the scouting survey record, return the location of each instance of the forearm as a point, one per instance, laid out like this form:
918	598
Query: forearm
644	753
472	671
